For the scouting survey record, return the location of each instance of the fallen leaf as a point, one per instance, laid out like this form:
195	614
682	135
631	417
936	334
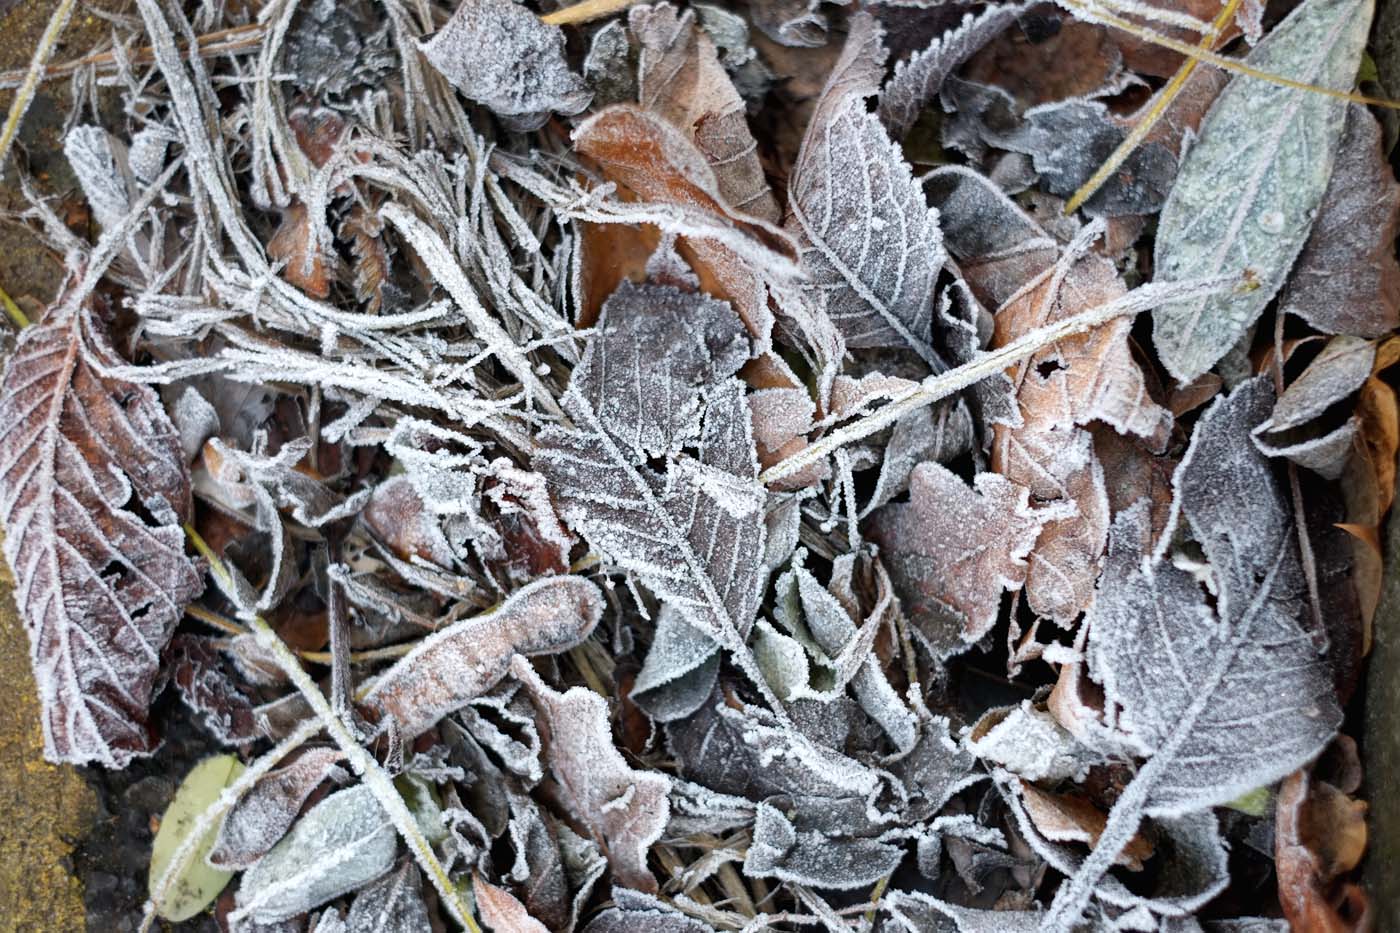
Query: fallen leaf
1249	189
1068	818
868	240
455	664
101	588
393	904
1321	834
501	911
1346	280
268	809
625	811
194	888
307	262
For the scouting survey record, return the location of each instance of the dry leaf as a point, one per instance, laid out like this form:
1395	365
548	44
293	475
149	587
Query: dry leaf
1068	818
462	661
500	910
306	261
268	809
93	491
625	811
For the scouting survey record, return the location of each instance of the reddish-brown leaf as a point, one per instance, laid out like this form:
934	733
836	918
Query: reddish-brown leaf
93	491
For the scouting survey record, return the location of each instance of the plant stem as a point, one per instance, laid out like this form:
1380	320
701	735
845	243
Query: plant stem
24	96
1154	112
585	11
361	761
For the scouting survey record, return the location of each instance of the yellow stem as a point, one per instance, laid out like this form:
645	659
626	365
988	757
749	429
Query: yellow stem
13	310
585	11
1219	61
25	94
1149	119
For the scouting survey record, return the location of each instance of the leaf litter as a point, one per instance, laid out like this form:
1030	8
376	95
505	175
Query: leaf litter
679	467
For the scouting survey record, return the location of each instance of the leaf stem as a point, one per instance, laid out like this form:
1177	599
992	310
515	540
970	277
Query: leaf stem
361	761
936	388
585	11
24	96
1154	112
13	310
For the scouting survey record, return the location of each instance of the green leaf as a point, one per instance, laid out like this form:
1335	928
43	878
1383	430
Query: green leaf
198	884
1247	192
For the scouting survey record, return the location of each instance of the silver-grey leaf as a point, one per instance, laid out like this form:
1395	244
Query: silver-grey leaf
694	537
779	850
656	351
342	843
868	239
393	904
1248	190
499	53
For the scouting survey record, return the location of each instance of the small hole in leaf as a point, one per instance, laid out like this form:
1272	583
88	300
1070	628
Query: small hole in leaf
1046	368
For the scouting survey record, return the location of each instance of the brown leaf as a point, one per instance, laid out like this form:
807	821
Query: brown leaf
1346	279
1071	818
399	520
657	162
680	78
93	491
1320	834
952	548
263	815
459	663
364	229
296	244
623	810
501	911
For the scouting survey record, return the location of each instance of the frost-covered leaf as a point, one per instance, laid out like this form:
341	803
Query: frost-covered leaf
953	548
625	811
1028	742
393	904
1346	279
1069	818
918	79
268	809
1338	370
498	53
1249	189
869	242
779	850
656	352
1185	676
502	911
681	78
919	913
195	888
639	913
454	665
340	844
679	671
695	538
93	490
733	253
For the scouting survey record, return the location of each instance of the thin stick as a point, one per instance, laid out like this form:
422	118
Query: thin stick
235	39
585	11
1148	120
361	761
1089	14
25	95
936	388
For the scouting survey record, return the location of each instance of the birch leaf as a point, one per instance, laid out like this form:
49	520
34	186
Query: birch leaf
456	664
681	78
868	240
499	53
1346	279
625	811
695	538
263	815
393	904
952	548
656	351
340	844
197	886
101	588
918	79
1249	189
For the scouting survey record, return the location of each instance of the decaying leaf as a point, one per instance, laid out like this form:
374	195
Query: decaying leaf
498	53
870	244
500	910
680	77
93	490
953	548
263	815
393	904
1346	279
1249	189
464	660
624	810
